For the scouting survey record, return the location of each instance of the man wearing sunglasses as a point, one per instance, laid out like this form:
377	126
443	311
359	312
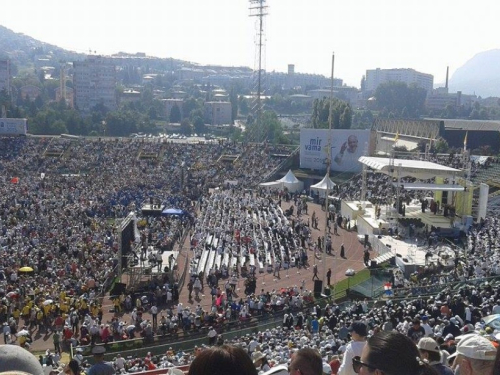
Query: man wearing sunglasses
358	332
306	361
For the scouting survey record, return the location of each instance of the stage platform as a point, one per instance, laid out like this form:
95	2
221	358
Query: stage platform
412	253
148	209
153	266
427	217
367	221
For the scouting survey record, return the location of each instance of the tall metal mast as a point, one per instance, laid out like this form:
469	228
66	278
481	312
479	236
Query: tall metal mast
258	9
327	192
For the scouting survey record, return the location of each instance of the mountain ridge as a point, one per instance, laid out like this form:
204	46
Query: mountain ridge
479	75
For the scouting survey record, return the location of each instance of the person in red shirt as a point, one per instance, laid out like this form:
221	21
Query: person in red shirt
335	364
150	365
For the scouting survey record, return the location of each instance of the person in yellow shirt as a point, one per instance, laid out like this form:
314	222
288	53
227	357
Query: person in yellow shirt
39	318
63	307
26	312
117	305
16	314
46	309
95	310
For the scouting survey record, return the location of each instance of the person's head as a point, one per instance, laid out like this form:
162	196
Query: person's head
15	359
306	361
98	352
474	355
222	360
358	330
429	349
258	358
391	353
352	143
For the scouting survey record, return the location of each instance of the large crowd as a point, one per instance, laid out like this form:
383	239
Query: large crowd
58	197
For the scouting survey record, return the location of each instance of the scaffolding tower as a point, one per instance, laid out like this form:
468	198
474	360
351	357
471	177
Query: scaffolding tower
255	131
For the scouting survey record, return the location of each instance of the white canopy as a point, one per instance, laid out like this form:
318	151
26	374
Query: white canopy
434	187
289	178
289	181
415	168
323	185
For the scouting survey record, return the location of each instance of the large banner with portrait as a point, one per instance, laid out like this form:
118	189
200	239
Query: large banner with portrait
346	146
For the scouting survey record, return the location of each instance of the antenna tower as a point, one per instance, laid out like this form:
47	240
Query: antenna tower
258	9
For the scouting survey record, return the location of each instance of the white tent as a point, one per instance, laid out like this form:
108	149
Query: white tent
289	181
323	185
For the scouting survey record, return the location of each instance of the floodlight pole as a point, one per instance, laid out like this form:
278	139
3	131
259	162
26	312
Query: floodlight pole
328	165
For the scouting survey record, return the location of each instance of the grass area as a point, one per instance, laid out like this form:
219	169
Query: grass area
342	286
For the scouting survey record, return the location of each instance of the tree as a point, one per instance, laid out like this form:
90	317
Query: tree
175	115
199	124
396	96
186	127
243	105
440	146
152	114
188	106
341	114
121	123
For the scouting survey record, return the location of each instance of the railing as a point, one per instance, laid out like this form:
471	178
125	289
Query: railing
189	339
430	290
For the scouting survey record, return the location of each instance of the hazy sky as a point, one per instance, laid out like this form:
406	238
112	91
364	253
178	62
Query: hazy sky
426	35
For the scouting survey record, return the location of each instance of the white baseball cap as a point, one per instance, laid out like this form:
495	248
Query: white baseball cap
476	347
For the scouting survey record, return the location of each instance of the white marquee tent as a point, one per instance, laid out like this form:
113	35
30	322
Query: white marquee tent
289	181
324	185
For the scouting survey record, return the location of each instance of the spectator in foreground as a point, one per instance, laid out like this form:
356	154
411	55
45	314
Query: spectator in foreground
18	360
429	351
306	361
222	360
474	355
358	332
391	353
100	367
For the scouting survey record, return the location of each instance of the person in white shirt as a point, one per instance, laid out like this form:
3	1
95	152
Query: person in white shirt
427	328
354	348
120	362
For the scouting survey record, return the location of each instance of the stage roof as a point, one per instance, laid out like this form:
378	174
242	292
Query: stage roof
433	187
415	168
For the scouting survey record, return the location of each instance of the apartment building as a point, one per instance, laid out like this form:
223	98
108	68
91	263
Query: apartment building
375	77
94	83
218	113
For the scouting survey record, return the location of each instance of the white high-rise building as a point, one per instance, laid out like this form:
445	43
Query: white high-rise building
94	83
375	77
218	113
5	75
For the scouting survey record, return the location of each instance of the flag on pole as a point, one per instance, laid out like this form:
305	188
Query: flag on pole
388	289
396	137
465	140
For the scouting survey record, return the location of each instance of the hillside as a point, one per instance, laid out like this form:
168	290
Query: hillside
22	49
479	75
